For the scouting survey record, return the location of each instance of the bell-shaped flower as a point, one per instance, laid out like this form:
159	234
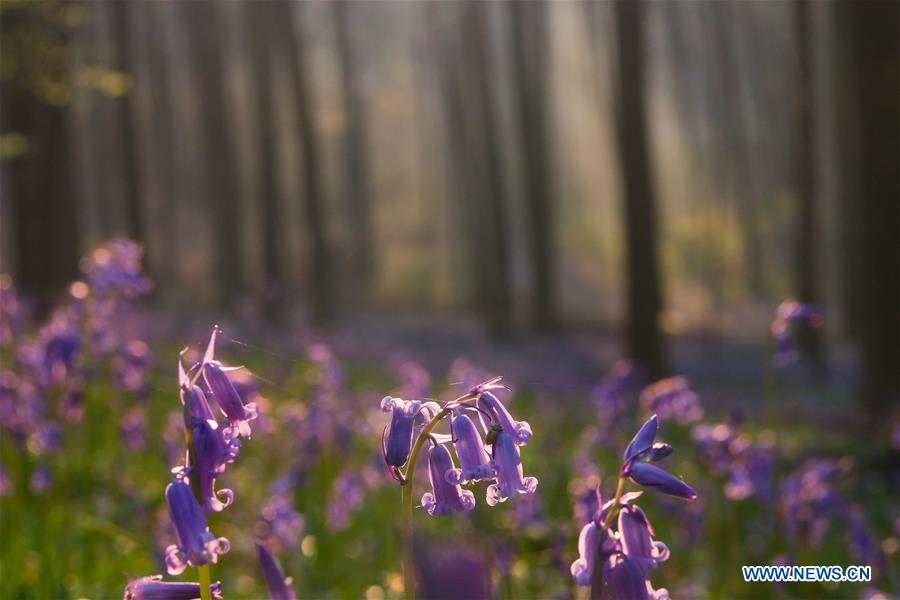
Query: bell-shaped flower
624	577
279	588
196	544
153	588
473	459
500	416
648	475
399	433
239	414
595	539
636	534
213	449
445	497
508	467
643	439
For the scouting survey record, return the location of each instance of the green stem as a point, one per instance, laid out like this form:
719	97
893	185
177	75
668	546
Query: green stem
406	508
203	572
615	507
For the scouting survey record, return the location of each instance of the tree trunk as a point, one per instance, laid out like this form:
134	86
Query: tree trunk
218	147
807	257
294	51
484	162
644	339
530	56
870	82
262	17
357	189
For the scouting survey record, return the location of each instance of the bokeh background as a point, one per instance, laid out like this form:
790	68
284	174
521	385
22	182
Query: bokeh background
400	197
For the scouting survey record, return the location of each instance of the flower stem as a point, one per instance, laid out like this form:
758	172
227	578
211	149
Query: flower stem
406	505
203	572
615	507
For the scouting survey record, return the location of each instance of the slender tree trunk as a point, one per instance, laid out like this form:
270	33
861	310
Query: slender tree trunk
218	146
484	162
807	256
294	51
357	188
134	216
871	80
644	339
530	55
262	17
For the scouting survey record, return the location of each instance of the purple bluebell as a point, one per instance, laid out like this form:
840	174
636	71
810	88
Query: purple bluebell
588	544
213	449
636	536
788	313
399	434
507	464
488	402
134	426
445	498
196	544
229	401
153	588
473	459
281	524
649	475
625	578
643	439
279	588
41	480
345	498
672	398
133	368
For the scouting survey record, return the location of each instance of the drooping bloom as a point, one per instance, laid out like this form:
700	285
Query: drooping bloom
507	464
445	498
588	545
500	416
473	459
652	476
153	588
196	544
213	449
277	585
400	430
636	535
624	577
225	394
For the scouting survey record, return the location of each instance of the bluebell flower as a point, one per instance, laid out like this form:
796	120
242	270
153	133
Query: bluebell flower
625	578
636	534
445	497
281	524
399	433
652	476
643	439
499	416
473	459
226	395
153	588
196	544
278	587
507	464
239	414
213	449
588	545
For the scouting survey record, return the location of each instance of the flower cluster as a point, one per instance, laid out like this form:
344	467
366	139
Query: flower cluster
789	313
192	494
672	398
43	378
748	465
489	454
616	563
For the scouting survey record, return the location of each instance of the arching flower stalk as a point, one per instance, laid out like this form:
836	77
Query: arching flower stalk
616	563
403	439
